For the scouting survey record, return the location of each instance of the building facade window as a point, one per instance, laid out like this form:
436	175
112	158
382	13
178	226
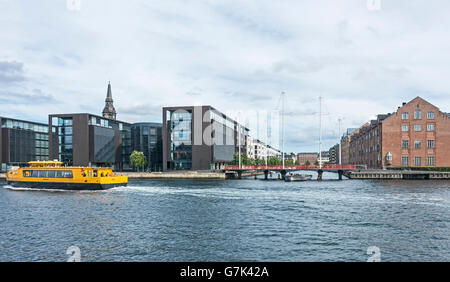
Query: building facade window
417	161
430	144
389	156
405	161
65	133
417	127
180	140
430	115
405	128
417	114
405	115
417	144
405	144
430	161
430	127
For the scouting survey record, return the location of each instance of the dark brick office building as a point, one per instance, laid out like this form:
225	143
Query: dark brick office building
89	140
146	137
23	141
199	138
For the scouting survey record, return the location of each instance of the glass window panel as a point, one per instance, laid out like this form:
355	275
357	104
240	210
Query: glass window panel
417	114
417	127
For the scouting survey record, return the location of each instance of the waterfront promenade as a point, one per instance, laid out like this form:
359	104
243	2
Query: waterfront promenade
173	175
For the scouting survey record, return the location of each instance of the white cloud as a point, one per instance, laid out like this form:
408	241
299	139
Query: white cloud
234	55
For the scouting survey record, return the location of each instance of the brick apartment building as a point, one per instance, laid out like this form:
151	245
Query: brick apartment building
303	157
345	144
416	135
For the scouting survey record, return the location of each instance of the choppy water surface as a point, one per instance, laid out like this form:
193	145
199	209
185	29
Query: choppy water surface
231	220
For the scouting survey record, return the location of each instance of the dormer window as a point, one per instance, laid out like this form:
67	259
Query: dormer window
389	156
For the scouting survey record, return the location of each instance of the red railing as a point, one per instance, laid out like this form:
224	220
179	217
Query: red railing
290	167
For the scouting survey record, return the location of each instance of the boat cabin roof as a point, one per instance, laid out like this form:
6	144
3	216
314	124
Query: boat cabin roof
45	164
58	164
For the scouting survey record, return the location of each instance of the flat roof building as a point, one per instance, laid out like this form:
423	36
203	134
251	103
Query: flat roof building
256	149
303	158
89	140
200	138
22	141
146	137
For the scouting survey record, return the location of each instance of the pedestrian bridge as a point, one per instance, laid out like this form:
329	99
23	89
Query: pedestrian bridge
290	168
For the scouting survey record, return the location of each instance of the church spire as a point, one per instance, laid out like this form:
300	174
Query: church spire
109	112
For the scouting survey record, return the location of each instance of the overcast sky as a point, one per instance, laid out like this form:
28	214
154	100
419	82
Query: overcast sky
237	56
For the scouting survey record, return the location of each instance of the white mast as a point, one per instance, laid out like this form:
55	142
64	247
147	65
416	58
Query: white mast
282	127
239	138
320	132
267	138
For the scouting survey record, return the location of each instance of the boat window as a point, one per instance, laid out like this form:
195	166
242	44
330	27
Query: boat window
68	174
35	173
26	173
95	173
59	174
42	173
51	173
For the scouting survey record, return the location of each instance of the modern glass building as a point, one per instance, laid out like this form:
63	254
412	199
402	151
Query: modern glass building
23	141
146	137
199	138
180	150
91	140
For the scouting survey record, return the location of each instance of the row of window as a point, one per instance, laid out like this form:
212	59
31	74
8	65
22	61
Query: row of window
418	144
48	173
41	144
418	161
8	123
417	115
42	136
418	127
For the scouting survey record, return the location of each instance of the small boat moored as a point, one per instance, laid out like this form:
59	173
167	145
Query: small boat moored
297	177
52	175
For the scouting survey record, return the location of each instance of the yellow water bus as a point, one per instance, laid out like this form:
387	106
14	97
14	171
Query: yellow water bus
52	175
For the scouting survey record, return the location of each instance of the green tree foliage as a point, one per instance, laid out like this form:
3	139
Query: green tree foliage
138	160
245	160
307	162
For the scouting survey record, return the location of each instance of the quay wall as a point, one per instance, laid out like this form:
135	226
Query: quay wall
395	174
172	175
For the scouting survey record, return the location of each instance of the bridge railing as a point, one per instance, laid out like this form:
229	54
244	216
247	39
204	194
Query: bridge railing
290	167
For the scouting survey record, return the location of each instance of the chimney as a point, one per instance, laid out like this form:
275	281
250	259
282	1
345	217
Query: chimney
404	103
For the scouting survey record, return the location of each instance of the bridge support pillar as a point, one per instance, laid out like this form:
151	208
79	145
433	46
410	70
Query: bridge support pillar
340	173
319	175
239	174
283	175
266	175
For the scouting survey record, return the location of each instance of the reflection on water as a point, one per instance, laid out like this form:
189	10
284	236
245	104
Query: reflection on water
231	220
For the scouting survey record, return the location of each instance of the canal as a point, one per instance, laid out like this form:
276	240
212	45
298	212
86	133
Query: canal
230	220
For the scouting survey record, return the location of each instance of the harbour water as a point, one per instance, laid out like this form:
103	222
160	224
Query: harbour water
230	220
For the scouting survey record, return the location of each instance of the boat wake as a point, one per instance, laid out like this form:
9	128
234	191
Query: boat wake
9	187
